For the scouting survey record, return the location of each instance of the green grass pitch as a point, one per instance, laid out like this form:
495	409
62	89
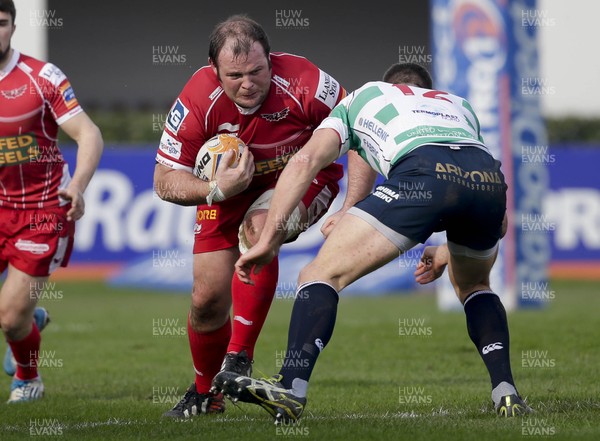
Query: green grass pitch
114	359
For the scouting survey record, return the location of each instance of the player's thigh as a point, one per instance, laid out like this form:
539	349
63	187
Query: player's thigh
18	297
256	216
217	226
475	226
476	220
314	204
36	241
213	271
353	249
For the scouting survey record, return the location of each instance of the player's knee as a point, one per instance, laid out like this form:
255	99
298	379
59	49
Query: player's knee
314	271
465	291
308	273
464	286
252	226
209	307
15	324
249	233
206	301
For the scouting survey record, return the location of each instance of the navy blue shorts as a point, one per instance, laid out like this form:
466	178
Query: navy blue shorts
460	190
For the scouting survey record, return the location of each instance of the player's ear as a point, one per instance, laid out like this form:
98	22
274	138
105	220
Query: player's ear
213	67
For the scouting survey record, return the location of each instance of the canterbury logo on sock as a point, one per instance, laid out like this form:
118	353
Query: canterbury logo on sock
319	344
492	347
242	320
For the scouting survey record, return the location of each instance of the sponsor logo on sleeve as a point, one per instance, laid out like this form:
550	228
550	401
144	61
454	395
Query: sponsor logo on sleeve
68	95
166	162
176	116
328	89
52	74
170	146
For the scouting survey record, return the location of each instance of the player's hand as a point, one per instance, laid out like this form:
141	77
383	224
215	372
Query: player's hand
253	260
74	196
432	265
331	222
234	180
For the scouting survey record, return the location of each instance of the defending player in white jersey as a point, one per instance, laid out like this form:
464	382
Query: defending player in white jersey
417	138
385	122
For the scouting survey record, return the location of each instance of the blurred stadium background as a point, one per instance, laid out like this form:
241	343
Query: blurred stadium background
527	69
128	61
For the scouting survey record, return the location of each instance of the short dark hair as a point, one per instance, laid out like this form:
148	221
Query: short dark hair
408	73
8	6
244	31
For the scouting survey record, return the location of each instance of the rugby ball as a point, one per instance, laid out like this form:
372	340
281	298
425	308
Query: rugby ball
210	154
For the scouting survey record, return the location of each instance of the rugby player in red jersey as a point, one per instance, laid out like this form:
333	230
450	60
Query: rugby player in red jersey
272	102
39	200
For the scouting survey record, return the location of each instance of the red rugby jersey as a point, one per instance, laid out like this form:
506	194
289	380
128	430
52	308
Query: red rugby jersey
300	97
35	98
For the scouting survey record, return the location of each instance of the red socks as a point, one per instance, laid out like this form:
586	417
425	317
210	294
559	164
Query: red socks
208	351
250	307
26	352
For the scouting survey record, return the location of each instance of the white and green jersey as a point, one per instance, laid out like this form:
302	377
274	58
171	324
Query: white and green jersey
383	122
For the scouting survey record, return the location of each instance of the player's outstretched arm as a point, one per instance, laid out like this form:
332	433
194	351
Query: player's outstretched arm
89	150
320	151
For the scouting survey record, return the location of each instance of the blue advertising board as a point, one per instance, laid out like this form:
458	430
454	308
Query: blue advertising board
124	216
127	223
486	51
571	209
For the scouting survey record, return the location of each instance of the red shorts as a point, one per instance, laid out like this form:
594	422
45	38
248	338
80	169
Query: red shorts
217	226
35	241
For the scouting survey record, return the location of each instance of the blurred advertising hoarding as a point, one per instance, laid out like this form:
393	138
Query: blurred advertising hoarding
487	52
127	226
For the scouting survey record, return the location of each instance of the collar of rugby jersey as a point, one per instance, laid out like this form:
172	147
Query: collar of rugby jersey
245	111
